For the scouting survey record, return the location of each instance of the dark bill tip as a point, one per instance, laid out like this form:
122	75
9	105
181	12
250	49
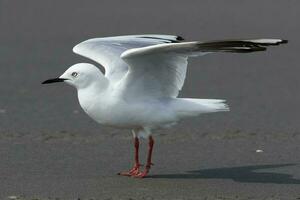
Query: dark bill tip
54	80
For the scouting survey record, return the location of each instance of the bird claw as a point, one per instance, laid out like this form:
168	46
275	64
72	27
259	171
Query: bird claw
144	173
135	170
140	174
129	173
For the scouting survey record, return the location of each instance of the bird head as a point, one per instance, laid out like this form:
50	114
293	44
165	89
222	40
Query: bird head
80	76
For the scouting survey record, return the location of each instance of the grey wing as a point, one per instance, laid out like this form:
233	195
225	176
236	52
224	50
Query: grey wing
107	51
160	70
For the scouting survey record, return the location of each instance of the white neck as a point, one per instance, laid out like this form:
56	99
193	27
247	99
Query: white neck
91	94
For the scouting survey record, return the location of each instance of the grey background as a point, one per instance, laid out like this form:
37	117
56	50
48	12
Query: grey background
262	89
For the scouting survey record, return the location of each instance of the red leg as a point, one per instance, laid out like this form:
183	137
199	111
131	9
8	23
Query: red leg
149	160
136	166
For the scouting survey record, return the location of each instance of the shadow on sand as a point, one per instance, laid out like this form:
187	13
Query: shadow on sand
244	174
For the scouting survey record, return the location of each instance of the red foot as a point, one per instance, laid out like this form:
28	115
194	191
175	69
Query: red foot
135	170
144	173
141	174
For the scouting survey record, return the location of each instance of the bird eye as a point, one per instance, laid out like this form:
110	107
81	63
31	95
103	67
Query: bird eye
74	74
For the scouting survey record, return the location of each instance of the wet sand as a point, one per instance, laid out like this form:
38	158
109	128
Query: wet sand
207	166
50	149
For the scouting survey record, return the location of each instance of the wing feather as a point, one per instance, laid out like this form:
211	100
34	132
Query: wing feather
106	51
160	70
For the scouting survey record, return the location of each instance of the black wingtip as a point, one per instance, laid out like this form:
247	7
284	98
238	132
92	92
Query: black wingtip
175	40
284	42
179	38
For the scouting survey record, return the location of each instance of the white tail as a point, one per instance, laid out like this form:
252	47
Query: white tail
186	107
215	105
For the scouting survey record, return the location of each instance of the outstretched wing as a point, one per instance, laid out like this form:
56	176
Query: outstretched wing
106	51
160	70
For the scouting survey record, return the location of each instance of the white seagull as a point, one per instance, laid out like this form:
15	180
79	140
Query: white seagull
143	76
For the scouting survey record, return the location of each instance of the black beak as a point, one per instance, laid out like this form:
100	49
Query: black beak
54	80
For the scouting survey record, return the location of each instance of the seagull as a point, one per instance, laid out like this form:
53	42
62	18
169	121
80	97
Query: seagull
143	77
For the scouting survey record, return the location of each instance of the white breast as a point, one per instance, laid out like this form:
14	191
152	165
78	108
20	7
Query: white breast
115	112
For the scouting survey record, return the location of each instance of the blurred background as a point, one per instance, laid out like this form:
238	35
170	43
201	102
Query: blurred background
36	40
